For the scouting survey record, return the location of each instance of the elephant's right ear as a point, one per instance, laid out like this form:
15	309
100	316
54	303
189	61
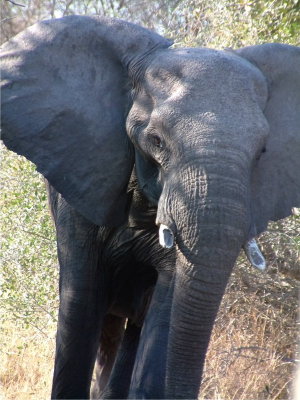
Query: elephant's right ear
65	97
276	176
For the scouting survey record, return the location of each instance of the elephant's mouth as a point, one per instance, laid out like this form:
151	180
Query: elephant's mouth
251	248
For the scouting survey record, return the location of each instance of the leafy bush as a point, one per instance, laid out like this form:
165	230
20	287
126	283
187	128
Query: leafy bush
28	251
222	23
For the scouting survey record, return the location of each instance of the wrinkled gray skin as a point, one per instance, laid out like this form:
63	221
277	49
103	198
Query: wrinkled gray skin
214	137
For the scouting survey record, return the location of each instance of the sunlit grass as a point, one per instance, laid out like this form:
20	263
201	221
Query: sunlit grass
26	362
252	354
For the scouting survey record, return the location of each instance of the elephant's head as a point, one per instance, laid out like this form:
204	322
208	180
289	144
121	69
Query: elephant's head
214	136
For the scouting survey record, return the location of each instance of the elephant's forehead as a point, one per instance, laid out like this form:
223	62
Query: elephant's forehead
203	89
202	72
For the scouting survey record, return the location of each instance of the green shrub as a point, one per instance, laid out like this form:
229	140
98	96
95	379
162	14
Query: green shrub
28	251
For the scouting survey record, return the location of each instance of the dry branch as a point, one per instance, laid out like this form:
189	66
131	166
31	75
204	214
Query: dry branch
15	4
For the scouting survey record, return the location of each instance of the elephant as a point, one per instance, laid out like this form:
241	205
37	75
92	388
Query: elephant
161	164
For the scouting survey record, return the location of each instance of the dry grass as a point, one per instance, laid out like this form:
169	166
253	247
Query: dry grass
252	351
26	362
252	355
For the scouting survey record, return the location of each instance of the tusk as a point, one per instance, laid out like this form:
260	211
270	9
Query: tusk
254	255
166	237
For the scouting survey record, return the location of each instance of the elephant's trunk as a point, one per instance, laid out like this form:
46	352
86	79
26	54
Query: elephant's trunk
212	221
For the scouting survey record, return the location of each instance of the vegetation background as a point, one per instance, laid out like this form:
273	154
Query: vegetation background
253	352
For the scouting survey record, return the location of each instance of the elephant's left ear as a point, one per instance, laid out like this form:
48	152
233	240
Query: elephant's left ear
66	91
276	178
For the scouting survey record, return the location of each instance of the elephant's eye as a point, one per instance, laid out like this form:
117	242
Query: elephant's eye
155	140
262	151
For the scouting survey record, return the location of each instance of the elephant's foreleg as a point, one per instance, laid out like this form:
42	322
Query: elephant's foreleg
148	378
111	337
82	304
119	382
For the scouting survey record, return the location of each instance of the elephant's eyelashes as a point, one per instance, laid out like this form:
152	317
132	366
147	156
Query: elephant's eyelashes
155	141
259	155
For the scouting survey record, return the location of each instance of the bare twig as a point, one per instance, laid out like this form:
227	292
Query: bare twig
36	234
67	7
53	8
7	19
112	5
38	328
15	4
239	350
121	4
103	8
